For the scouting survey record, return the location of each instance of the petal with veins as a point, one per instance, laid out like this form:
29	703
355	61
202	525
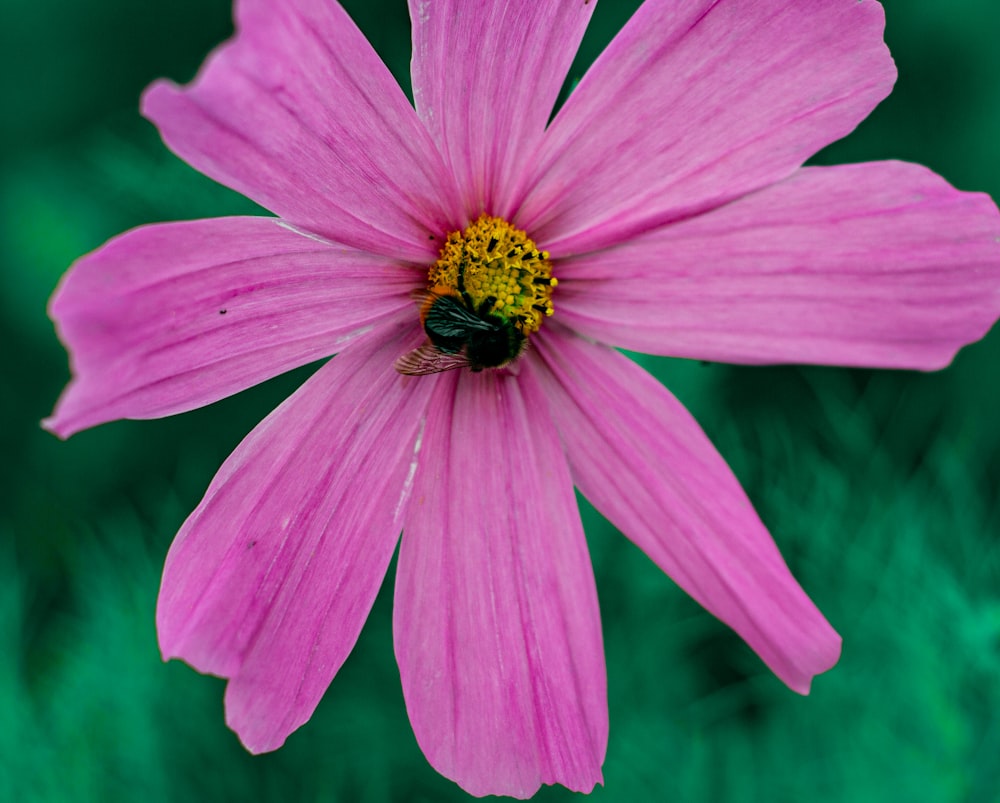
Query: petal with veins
485	80
298	113
271	578
496	623
881	264
644	462
696	103
170	317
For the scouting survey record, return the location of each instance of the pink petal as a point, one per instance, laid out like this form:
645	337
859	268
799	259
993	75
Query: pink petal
496	623
485	79
271	578
170	317
644	462
298	113
879	264
696	103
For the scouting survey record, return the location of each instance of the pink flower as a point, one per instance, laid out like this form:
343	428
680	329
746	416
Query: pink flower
670	197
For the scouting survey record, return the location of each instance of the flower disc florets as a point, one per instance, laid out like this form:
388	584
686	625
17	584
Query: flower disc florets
493	264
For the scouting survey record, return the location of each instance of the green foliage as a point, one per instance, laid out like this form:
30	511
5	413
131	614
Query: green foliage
880	489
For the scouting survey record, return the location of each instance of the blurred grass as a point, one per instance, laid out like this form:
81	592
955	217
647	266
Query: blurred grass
880	488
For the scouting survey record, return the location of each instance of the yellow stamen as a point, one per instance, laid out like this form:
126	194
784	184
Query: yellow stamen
493	260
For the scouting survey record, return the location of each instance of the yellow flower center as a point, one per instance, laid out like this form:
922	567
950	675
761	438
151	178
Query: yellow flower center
493	268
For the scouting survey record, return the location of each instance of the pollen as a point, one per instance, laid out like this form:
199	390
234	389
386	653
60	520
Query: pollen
493	263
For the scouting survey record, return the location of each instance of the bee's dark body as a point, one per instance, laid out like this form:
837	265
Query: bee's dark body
488	340
461	334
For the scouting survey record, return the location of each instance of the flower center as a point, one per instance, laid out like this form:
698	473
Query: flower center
490	290
495	269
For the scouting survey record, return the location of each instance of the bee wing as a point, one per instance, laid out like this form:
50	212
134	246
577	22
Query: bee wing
448	317
428	359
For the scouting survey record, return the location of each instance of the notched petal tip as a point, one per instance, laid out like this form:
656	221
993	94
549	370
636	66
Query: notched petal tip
52	425
826	658
250	728
66	419
152	96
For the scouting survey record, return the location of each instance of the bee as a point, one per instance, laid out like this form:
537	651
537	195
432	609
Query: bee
461	334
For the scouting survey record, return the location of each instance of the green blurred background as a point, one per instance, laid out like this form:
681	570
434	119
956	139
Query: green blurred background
880	488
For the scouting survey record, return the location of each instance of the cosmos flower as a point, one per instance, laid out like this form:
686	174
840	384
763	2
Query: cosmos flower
668	199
